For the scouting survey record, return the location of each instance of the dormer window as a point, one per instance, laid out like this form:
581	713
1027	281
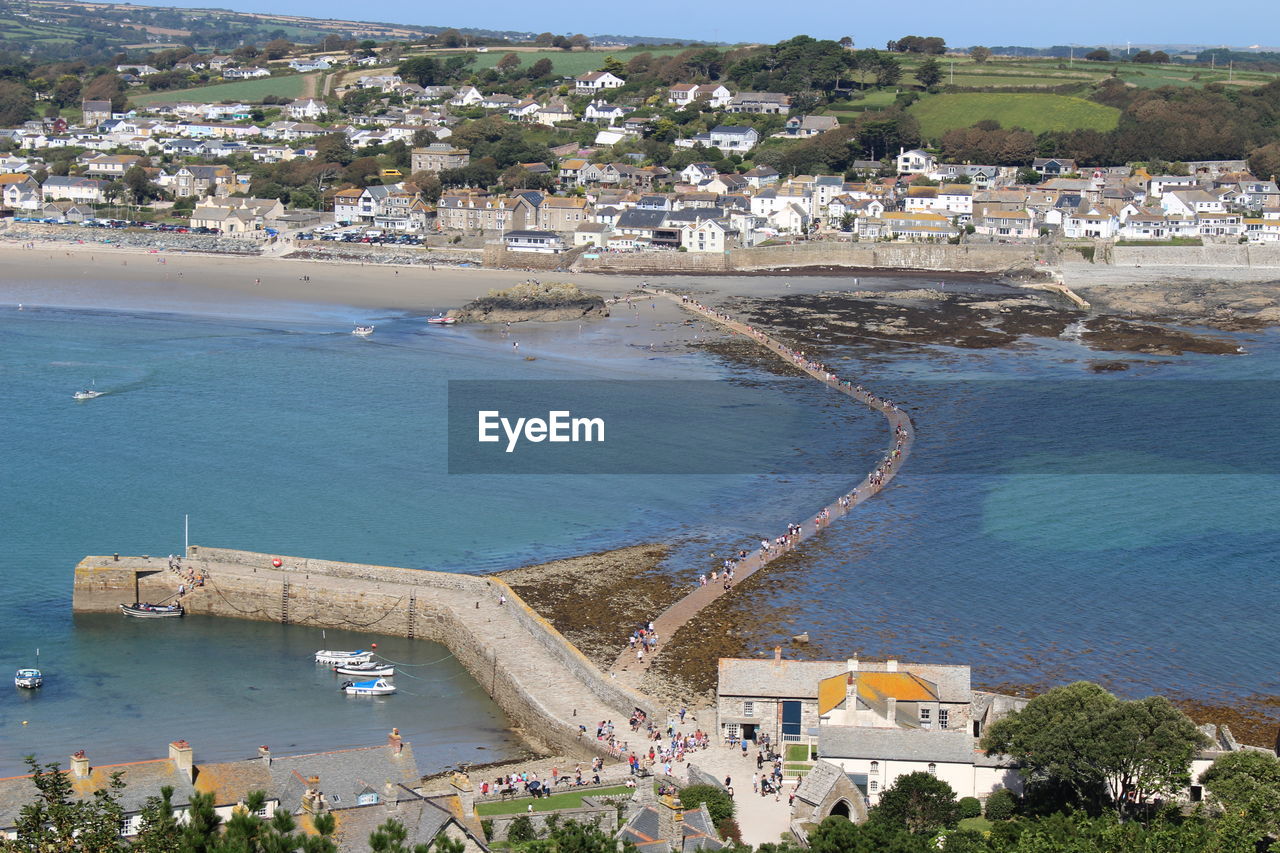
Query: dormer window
367	798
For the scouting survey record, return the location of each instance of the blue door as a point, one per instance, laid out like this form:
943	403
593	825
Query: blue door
791	720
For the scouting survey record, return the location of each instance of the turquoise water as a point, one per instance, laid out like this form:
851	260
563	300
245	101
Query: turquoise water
284	433
287	434
1056	524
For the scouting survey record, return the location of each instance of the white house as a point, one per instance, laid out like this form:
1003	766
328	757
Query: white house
86	190
467	96
540	242
596	81
1099	224
697	173
309	64
735	139
247	73
602	113
709	235
1190	202
713	94
308	109
915	162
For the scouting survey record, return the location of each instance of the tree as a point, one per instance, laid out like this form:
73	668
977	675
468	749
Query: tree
1027	175
929	73
509	63
521	830
17	104
58	820
276	49
719	803
614	66
919	802
980	54
846	42
1097	746
423	70
834	835
334	148
1099	55
540	69
1264	162
140	185
1247	783
1000	804
580	41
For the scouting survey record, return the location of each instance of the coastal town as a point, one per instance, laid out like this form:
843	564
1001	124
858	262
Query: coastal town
440	154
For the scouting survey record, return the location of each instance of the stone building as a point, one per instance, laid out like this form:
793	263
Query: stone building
438	157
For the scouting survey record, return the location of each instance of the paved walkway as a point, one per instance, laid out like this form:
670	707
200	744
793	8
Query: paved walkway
761	819
901	430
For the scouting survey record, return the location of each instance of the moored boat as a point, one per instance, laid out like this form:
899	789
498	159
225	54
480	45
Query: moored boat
362	331
151	611
28	678
331	656
87	394
372	669
377	687
442	320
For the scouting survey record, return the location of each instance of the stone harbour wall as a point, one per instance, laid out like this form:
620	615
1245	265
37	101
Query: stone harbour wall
1209	255
545	685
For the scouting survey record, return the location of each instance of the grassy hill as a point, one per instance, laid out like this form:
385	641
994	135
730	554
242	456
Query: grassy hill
249	91
1036	112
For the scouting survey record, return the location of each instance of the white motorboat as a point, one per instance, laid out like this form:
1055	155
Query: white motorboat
372	669
377	687
87	394
28	678
362	331
442	320
330	656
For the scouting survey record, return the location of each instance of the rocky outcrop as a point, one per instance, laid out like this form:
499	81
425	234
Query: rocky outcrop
532	301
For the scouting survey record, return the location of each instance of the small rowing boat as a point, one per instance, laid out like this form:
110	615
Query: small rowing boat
442	320
151	611
371	669
377	687
330	656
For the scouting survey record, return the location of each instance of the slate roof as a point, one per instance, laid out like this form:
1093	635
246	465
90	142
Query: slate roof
142	779
343	773
953	747
636	218
423	818
783	679
818	782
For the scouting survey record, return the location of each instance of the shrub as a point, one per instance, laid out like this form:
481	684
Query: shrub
1000	805
719	804
521	830
970	807
487	826
728	830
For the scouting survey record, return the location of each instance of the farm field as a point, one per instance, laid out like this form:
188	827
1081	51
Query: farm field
250	91
1037	113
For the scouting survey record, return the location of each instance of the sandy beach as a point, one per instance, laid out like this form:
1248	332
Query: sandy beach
73	275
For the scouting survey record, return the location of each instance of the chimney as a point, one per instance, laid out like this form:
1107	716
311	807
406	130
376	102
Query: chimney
264	752
891	710
394	740
181	755
80	765
777	654
312	799
390	796
891	665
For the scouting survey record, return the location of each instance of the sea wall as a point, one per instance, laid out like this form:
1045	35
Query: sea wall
1209	255
530	670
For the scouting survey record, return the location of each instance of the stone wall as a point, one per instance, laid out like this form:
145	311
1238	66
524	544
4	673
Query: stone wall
1212	255
497	256
912	256
656	262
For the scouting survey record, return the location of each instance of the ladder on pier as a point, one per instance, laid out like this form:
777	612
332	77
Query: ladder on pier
284	604
413	612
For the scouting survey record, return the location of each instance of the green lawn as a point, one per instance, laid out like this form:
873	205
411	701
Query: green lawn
798	752
249	91
567	800
976	824
1037	113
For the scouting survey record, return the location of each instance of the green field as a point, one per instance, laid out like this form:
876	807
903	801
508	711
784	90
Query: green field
1037	113
249	91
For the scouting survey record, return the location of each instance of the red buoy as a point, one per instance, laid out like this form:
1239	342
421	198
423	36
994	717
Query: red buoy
276	562
373	645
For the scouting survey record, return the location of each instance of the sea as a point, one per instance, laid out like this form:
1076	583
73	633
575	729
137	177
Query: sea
1051	525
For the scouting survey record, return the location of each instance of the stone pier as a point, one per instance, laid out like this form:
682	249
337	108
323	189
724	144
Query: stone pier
544	684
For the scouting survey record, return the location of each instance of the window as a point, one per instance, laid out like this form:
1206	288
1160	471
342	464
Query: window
933	769
944	716
731	730
875	768
925	715
872	786
366	798
748	709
